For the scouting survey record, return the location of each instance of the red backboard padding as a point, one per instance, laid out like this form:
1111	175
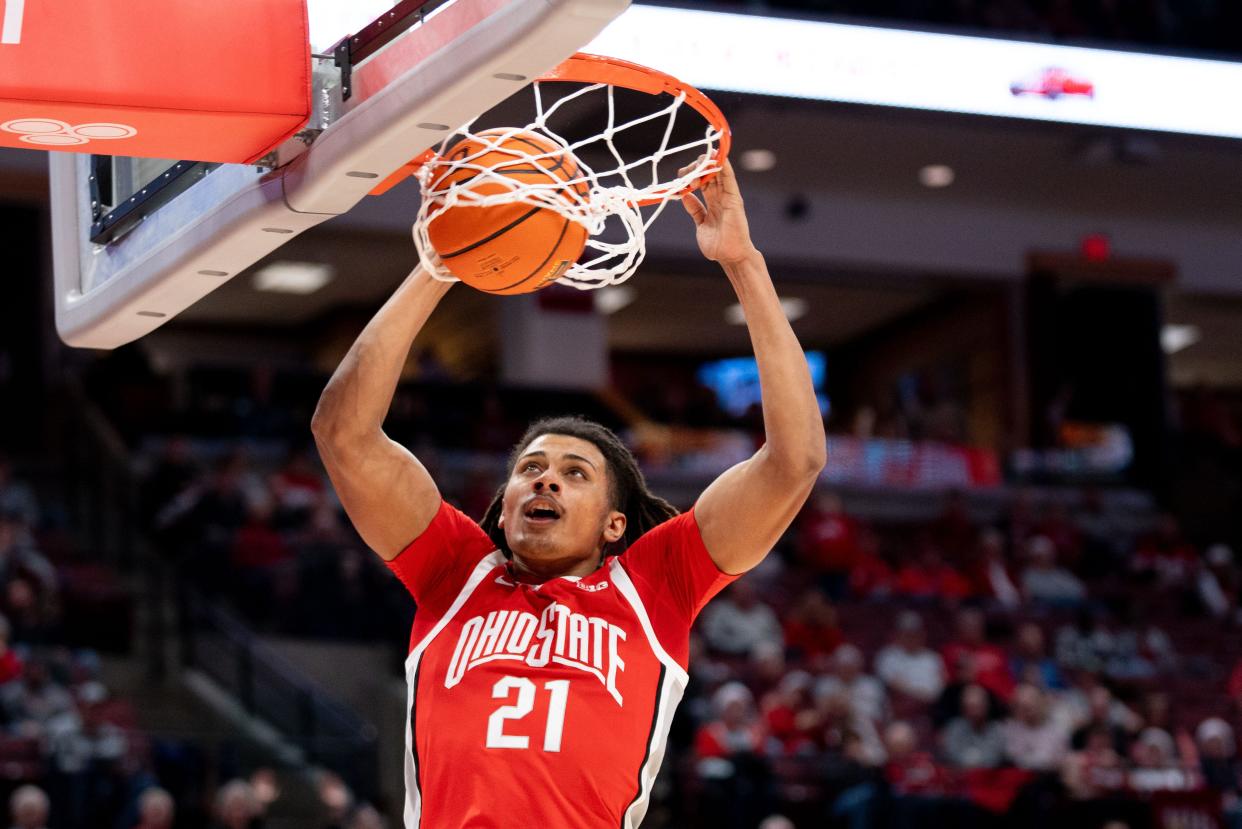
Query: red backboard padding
203	80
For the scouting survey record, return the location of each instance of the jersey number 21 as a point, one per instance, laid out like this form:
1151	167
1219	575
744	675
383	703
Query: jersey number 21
558	692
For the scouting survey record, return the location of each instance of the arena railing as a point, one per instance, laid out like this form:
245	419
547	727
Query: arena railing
269	688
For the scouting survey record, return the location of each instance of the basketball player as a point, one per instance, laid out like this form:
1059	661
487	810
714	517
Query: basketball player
550	645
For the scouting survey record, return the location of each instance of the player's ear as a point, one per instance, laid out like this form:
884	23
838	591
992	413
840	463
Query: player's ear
614	527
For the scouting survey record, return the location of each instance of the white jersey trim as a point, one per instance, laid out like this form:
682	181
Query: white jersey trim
413	797
672	687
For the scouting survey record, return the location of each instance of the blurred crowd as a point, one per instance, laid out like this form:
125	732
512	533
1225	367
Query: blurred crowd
72	754
971	673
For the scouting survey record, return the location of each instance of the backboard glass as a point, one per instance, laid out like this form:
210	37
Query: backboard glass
137	241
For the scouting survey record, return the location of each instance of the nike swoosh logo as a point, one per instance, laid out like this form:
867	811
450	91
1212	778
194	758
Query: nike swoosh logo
505	581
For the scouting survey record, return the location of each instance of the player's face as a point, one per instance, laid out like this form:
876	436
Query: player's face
557	510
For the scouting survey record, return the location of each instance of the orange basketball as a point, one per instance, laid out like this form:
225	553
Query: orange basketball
507	248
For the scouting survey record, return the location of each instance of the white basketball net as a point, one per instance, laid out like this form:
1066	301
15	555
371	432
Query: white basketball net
608	192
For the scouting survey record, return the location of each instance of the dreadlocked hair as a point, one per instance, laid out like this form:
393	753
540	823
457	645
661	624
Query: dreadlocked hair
643	509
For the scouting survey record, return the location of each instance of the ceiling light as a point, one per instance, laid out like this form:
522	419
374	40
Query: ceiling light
293	277
1175	338
757	161
936	176
613	299
795	308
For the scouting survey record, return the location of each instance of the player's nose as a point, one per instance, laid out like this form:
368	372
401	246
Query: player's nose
550	484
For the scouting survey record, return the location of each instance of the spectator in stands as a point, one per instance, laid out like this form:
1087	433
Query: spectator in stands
1034	740
156	809
811	630
908	666
298	487
872	576
991	666
1105	540
1058	527
1031	663
259	558
953	532
236	806
1096	770
335	797
909	770
29	807
32	613
866	693
731	753
973	740
1164	557
266	787
17	499
365	817
765	667
736	728
777	822
844	732
948	705
1156	764
828	542
35	701
929	577
1044	582
738	620
1105	714
1218	760
988	572
205	517
788	714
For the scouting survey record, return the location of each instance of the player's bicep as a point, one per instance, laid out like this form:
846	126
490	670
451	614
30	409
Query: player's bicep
744	512
387	493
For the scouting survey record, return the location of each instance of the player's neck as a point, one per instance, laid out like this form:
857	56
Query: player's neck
538	571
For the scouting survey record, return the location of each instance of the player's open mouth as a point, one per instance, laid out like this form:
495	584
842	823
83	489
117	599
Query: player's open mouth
542	510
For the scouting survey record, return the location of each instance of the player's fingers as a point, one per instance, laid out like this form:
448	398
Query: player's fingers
728	180
694	207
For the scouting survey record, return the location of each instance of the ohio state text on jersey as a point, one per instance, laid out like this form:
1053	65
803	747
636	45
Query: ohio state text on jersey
544	704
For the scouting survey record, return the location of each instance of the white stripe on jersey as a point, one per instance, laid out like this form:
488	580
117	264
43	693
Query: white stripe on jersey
413	797
671	690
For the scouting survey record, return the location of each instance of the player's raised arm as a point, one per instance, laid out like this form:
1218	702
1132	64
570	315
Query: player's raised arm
387	493
744	511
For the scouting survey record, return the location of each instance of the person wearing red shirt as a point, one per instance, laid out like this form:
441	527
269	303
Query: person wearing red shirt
930	578
828	542
550	645
990	661
811	629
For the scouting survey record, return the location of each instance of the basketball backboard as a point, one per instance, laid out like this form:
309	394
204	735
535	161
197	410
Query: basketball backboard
137	241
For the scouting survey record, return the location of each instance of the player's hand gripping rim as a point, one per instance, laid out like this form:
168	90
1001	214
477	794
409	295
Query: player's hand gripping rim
719	217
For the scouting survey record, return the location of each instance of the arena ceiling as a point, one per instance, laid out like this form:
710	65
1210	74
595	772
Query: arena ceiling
820	149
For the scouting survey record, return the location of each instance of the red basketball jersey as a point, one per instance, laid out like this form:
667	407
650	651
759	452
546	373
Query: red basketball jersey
544	705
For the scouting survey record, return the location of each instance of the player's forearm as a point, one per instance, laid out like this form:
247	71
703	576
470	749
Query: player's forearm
792	423
356	399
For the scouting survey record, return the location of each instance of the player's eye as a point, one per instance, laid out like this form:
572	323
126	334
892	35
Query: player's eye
574	470
529	466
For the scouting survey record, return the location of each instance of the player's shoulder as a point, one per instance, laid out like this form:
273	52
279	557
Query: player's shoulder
672	530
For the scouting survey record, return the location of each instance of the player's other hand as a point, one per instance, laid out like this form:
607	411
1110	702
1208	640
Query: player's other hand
720	218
